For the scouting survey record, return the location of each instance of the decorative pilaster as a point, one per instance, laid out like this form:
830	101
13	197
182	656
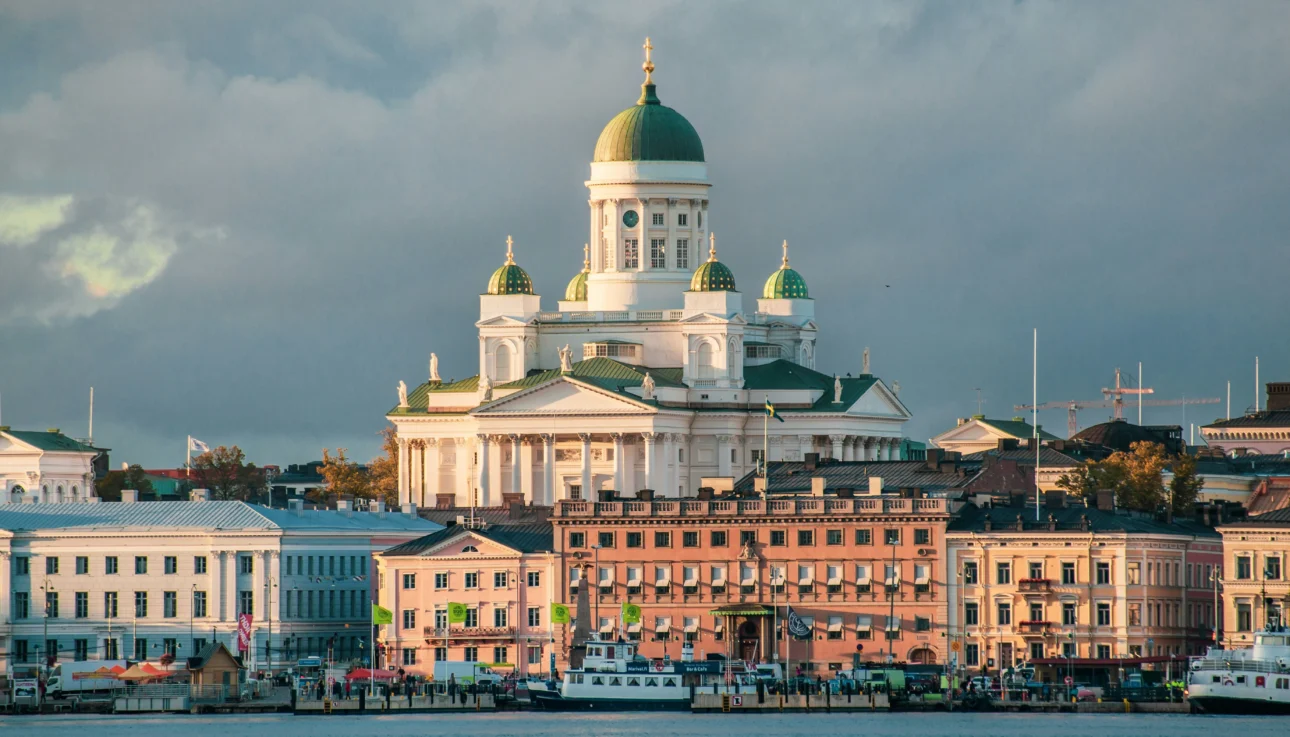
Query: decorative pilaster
587	493
432	463
481	472
403	470
548	469
650	473
515	464
836	441
617	437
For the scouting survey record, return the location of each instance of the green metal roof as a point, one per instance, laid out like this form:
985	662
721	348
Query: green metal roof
510	279
784	374
577	289
649	131
712	276
748	610
50	440
785	283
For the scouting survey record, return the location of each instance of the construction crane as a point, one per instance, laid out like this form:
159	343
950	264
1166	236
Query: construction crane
1114	398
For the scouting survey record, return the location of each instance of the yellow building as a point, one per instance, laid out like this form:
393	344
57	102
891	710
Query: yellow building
1255	590
1090	589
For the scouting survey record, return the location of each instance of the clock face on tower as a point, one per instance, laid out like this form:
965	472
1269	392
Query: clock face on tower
630	218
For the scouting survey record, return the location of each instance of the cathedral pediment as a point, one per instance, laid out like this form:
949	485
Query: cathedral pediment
504	321
714	319
568	397
879	401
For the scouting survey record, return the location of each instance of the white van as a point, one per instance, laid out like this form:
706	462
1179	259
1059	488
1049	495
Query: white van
464	672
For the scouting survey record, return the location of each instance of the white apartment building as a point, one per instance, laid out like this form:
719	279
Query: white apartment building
140	579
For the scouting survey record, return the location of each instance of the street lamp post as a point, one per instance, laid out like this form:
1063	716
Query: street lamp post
192	606
1213	577
596	548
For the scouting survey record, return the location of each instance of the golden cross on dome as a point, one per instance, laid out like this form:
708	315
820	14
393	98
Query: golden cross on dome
648	66
712	246
510	253
586	257
785	254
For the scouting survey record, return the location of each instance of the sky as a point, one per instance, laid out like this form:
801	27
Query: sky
247	221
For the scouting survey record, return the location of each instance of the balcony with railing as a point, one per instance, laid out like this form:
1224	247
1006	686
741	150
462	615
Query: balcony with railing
1035	585
1034	626
469	633
731	507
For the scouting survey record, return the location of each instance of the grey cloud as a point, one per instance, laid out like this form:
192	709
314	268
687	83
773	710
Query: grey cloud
1110	173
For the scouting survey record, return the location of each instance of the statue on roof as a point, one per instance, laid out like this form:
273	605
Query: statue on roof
837	389
895	388
434	367
403	395
865	361
647	386
485	387
566	359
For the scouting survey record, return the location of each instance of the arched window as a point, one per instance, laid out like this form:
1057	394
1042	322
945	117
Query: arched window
470	549
75	494
15	494
502	364
704	359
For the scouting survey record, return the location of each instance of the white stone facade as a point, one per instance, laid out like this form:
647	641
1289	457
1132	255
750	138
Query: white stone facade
44	467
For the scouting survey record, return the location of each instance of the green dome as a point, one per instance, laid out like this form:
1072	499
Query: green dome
577	289
785	283
649	131
509	277
712	275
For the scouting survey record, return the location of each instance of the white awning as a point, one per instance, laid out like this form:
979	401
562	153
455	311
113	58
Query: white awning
634	627
922	574
719	625
835	580
835	623
662	576
863	575
893	624
606	576
692	626
864	622
777	576
664	628
925	578
718	576
892	581
691	577
633	576
748	577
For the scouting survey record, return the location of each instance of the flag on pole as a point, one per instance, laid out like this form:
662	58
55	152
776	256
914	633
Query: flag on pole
381	615
631	613
456	612
559	614
770	411
197	446
797	627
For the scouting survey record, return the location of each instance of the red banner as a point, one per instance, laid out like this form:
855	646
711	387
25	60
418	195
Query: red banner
243	632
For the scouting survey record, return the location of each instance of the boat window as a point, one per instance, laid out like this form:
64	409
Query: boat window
669	682
615	681
1240	679
1259	682
1214	679
597	681
651	681
577	678
633	681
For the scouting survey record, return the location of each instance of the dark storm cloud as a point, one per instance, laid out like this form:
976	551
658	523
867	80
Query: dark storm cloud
336	184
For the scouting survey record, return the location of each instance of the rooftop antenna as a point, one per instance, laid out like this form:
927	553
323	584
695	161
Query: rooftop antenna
90	439
1229	399
1256	384
1034	414
1140	395
979	401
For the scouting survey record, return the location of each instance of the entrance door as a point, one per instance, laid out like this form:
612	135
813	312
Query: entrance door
749	639
1005	655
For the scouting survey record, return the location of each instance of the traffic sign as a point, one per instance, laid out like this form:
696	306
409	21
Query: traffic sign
956	646
1070	681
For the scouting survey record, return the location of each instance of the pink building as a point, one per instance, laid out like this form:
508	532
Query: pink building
504	574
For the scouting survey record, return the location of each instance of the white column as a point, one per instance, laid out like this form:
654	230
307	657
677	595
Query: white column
548	469
669	464
515	465
461	468
403	470
418	464
593	245
481	472
650	476
806	443
6	592
430	496
618	462
886	449
836	441
260	574
495	470
849	449
630	483
643	228
587	492
230	587
526	469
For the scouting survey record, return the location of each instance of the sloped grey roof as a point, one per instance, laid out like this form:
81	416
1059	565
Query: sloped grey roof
1048	458
195	516
971	518
792	476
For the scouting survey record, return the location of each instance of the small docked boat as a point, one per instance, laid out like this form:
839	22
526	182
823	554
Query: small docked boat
1253	680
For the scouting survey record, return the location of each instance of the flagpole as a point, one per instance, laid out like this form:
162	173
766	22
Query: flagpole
765	446
371	646
188	458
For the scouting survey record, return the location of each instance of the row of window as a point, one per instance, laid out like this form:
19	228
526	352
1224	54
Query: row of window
112	565
111	604
471	579
721	538
1245	568
470	654
325	604
749	578
24	651
324	565
1158	573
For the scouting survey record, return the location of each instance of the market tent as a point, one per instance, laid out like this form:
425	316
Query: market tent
136	672
365	674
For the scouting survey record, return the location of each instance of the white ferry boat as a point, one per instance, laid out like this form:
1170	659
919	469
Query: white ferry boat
1252	680
614	677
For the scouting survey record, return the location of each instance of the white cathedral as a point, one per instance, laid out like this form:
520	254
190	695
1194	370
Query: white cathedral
649	374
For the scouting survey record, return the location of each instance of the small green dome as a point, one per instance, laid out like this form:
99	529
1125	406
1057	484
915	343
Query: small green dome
509	277
712	275
785	283
649	131
577	289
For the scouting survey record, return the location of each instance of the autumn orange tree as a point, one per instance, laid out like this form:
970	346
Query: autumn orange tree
383	471
379	480
225	472
1137	478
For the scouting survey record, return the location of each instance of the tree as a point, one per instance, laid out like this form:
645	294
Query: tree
384	469
225	472
343	477
1185	486
110	486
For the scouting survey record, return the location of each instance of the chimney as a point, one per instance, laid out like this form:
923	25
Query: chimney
846	493
705	493
960	422
817	485
1106	500
934	456
345	507
409	510
378	508
296	507
444	501
1055	499
875	484
129	496
812	461
515	510
200	495
759	485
